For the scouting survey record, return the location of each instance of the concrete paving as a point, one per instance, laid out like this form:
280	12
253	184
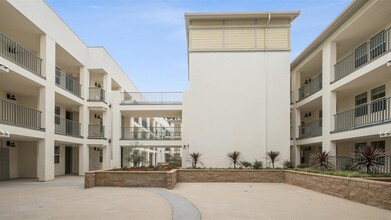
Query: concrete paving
181	207
65	198
272	201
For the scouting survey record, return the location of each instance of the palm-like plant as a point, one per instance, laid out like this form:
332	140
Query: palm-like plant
321	160
195	159
369	158
234	158
273	156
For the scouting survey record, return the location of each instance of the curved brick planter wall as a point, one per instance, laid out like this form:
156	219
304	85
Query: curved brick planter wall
369	192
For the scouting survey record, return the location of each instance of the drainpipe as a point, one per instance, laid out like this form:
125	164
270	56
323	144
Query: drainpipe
266	73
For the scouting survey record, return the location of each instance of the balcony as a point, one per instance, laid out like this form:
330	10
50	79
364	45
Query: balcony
161	133
376	47
12	51
151	98
66	127
66	82
96	94
312	129
373	113
18	115
96	131
310	87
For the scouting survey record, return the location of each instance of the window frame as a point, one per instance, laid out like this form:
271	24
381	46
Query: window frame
57	154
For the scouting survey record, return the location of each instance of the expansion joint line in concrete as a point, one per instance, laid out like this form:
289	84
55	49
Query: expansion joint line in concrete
180	206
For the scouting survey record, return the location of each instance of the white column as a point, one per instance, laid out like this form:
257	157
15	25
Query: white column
45	165
296	132
329	99
116	133
107	87
106	158
84	119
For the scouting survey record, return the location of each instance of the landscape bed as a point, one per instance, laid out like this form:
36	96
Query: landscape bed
366	191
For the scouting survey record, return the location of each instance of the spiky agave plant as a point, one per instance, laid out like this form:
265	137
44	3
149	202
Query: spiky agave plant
369	158
321	160
273	156
195	159
234	158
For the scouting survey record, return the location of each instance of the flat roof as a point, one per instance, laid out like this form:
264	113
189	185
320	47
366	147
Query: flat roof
351	9
243	15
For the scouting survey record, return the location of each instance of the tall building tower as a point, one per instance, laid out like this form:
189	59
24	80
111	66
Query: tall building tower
239	85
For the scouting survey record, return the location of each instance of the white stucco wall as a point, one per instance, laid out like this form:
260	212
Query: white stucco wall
237	101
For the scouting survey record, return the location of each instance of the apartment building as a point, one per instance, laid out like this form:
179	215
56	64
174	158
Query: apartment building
341	86
56	100
238	96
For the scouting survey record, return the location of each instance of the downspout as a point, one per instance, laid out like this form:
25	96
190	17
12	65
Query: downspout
266	73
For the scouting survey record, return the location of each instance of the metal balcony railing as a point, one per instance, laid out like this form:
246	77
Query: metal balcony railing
96	131
372	113
311	87
161	133
312	129
96	94
66	127
66	82
345	163
11	50
15	114
151	98
376	47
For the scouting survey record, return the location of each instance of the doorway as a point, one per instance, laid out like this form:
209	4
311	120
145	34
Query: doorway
68	160
4	164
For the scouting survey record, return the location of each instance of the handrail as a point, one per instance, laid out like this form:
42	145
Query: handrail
13	51
19	115
377	111
151	98
67	83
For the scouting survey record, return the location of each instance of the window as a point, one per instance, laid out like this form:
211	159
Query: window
360	56
377	45
360	101
57	154
378	104
57	112
100	155
379	144
58	76
357	146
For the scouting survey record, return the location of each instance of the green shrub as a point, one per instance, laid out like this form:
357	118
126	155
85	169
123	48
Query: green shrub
287	164
302	165
246	164
257	164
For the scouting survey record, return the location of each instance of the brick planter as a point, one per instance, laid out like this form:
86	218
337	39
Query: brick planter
231	175
374	193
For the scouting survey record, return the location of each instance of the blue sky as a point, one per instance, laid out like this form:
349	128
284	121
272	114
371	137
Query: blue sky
147	37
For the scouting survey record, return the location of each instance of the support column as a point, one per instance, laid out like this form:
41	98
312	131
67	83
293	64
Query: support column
106	158
329	99
45	165
116	129
296	132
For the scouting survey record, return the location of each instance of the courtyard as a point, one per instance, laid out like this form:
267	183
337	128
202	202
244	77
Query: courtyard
65	198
